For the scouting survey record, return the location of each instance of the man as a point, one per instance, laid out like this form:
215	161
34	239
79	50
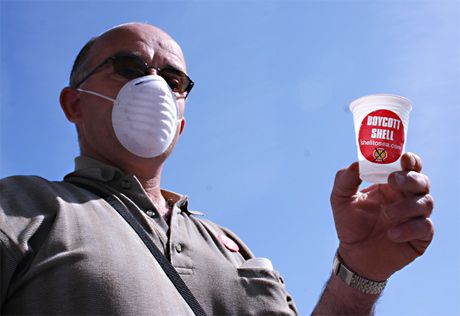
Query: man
66	250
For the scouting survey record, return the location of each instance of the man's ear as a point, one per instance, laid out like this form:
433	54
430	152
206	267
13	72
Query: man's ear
70	104
182	124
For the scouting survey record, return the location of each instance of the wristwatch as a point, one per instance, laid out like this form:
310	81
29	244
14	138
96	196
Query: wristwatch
354	280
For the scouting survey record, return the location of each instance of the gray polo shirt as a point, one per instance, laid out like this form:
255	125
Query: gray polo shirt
65	250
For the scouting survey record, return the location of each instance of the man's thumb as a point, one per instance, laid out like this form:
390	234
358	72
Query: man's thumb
346	184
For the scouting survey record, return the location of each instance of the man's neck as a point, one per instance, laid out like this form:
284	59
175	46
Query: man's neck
150	178
148	172
153	190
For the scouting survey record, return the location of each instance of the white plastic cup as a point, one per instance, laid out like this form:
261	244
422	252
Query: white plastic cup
381	122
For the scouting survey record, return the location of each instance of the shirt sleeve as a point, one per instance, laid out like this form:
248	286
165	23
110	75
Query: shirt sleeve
9	259
15	230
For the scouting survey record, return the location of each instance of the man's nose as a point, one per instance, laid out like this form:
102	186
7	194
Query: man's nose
153	71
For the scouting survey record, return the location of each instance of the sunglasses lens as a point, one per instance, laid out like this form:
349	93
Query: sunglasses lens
129	67
176	80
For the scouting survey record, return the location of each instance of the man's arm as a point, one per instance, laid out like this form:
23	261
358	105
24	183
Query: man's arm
340	299
380	229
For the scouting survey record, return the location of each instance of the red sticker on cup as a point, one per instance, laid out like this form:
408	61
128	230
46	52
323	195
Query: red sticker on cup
381	137
230	244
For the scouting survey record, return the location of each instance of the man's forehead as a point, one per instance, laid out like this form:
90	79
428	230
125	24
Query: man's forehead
138	38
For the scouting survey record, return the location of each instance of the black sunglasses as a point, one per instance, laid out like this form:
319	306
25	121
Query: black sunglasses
131	66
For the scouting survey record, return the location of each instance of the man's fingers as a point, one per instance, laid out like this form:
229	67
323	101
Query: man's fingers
346	183
410	182
416	229
411	207
411	162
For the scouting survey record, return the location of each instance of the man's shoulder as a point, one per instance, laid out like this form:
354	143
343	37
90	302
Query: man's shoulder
22	180
30	192
25	203
21	185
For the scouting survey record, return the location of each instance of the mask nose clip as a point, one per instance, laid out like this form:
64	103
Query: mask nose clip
141	82
146	80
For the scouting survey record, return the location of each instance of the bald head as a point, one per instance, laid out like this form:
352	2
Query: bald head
150	36
126	37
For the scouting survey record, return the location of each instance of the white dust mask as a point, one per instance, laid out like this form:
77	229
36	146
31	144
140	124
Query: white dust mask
144	115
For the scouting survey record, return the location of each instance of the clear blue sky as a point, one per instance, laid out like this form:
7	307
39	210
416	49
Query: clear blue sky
267	122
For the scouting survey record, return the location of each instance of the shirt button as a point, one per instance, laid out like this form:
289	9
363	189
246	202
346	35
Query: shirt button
178	248
150	213
126	184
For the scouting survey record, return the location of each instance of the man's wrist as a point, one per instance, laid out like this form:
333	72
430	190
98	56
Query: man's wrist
339	298
354	280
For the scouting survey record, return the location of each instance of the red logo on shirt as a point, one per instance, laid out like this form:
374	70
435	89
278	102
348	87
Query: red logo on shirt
230	244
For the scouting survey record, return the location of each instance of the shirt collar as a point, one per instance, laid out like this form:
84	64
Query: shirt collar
90	168
181	201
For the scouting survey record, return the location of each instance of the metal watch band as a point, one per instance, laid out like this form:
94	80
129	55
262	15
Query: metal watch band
356	281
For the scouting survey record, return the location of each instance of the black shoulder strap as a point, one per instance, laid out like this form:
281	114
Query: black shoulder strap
162	260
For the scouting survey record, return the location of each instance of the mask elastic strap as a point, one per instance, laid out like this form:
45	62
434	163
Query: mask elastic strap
96	94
